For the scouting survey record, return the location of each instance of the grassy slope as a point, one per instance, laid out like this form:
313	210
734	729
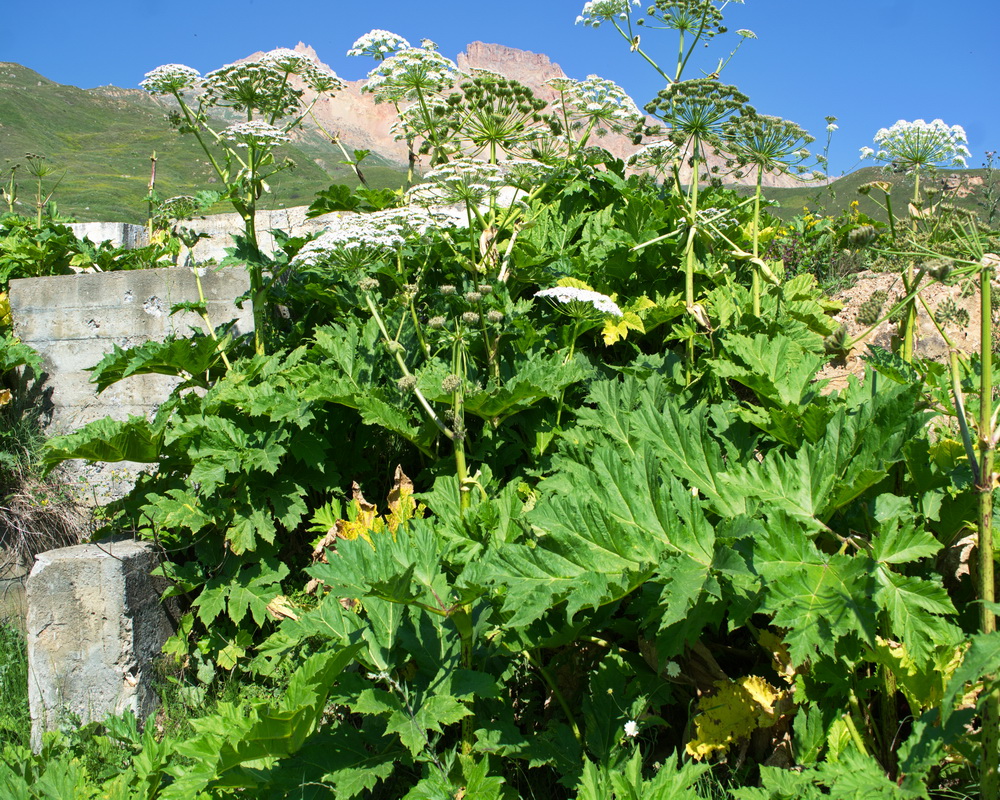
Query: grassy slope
838	196
100	142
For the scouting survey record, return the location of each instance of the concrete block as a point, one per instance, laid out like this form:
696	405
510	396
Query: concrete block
120	234
95	626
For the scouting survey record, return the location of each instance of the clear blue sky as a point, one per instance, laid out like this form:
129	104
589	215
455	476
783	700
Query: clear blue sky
867	62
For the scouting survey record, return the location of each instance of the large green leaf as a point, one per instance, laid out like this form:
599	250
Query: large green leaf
191	358
230	747
820	598
135	439
600	541
777	369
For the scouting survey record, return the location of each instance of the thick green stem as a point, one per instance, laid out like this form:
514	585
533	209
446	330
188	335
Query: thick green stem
203	313
892	219
690	260
756	243
458	440
462	617
558	695
989	778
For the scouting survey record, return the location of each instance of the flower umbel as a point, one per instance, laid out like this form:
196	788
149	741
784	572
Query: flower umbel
918	145
378	44
411	73
256	133
577	300
170	78
598	11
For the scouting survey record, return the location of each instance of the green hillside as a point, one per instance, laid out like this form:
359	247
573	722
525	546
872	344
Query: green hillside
969	193
99	141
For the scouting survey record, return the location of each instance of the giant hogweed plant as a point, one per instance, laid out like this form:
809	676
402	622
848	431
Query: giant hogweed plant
243	154
679	581
612	562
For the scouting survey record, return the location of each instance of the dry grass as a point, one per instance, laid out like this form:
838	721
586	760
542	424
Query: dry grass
36	517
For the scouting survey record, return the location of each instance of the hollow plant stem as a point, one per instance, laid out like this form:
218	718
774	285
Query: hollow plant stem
755	290
989	778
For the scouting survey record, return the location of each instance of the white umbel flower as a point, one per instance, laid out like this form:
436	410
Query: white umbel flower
598	11
256	133
170	78
378	44
568	295
918	145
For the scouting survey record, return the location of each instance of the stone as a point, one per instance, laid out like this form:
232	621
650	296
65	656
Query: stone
94	629
119	234
72	321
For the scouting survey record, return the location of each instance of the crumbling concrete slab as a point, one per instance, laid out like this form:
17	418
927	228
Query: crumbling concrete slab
74	320
94	629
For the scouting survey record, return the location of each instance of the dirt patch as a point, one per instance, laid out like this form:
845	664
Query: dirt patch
957	307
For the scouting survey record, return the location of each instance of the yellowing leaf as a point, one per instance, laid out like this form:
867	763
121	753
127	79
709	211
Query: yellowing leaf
781	661
281	608
5	318
616	329
363	519
735	711
402	506
923	684
5	397
573	283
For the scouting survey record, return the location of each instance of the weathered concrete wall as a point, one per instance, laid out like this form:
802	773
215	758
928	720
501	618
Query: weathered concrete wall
95	626
73	321
120	234
219	228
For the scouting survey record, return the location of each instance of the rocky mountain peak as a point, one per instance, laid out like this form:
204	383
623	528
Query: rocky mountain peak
531	69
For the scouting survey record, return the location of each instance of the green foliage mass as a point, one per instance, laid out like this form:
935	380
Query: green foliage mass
630	547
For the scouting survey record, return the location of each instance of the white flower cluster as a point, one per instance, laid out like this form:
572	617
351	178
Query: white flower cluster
359	240
596	100
252	86
598	11
287	60
170	78
378	44
568	295
918	144
411	73
746	33
459	181
256	132
290	62
631	729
